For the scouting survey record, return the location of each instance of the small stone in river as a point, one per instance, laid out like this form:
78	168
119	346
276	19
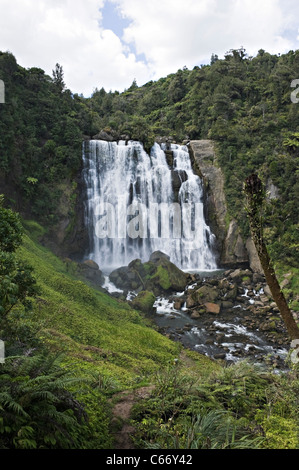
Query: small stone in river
212	308
220	356
195	315
209	342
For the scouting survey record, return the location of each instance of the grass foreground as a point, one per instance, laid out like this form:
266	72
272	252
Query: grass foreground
108	347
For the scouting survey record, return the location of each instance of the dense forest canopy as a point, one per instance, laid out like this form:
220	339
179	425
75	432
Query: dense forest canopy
69	348
242	103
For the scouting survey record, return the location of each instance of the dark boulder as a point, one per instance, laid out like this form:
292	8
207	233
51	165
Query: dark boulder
158	275
125	278
157	256
164	276
91	272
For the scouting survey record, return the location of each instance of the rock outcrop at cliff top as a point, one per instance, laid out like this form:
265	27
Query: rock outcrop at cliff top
158	275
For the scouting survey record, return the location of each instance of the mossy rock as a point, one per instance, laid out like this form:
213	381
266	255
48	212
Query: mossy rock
126	278
158	275
144	302
205	294
161	278
164	276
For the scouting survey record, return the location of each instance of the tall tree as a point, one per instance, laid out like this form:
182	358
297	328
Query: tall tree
255	193
58	77
16	280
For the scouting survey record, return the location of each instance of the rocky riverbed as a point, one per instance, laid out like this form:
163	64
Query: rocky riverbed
227	315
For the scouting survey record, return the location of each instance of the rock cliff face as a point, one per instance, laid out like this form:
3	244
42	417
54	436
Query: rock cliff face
69	237
232	249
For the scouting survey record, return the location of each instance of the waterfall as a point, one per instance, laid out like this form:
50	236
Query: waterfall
132	208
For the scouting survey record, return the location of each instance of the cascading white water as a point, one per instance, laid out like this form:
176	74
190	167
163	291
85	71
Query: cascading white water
132	210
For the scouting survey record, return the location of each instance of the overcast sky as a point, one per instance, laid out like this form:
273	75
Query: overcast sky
109	43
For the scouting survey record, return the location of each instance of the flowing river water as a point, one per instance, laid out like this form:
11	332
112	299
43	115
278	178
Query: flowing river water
229	335
224	337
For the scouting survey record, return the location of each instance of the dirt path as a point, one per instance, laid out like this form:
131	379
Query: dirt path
122	411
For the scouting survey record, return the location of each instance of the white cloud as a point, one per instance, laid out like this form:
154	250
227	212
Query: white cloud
169	33
174	33
43	33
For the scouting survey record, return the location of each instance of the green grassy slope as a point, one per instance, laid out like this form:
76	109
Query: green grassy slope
90	326
101	339
115	348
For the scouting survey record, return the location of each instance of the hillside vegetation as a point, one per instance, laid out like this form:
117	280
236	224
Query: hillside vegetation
83	341
71	348
242	103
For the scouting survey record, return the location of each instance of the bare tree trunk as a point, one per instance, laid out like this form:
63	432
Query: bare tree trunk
255	193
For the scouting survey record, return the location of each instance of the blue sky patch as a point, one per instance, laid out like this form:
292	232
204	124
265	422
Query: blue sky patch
113	20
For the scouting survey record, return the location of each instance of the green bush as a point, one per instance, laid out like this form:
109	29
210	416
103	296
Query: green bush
236	407
37	408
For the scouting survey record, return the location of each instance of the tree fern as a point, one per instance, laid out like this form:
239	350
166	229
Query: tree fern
37	409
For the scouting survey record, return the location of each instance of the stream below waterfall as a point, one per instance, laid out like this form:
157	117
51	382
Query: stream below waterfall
230	335
223	337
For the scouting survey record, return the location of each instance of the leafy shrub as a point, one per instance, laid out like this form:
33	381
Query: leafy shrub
37	409
185	414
